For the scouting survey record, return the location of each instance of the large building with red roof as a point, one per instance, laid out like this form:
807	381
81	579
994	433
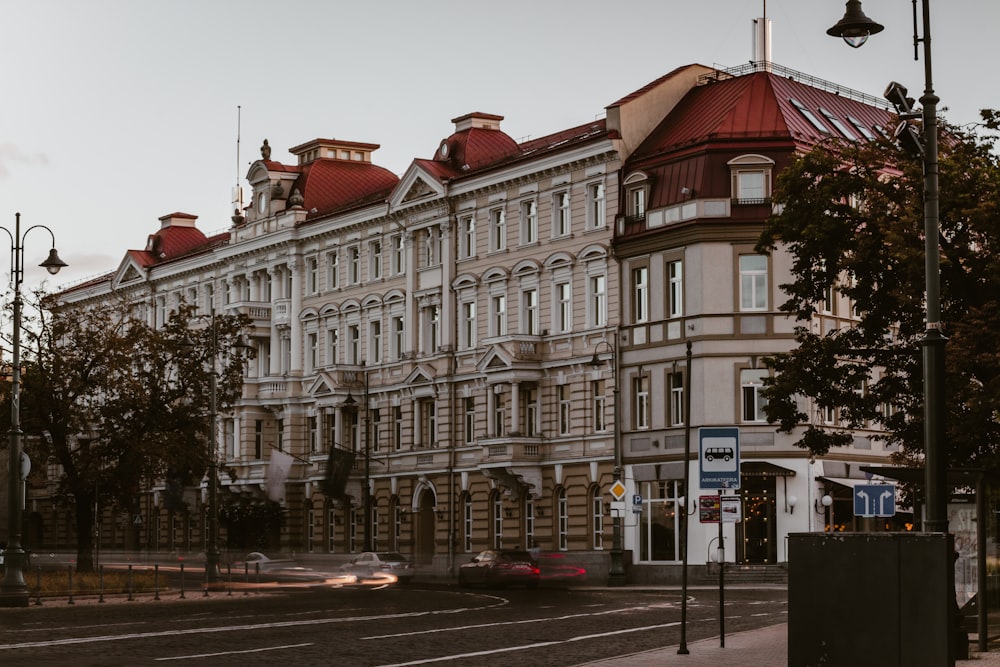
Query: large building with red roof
440	326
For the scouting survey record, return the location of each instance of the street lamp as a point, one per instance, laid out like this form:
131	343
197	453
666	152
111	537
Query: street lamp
14	592
212	573
854	23
616	575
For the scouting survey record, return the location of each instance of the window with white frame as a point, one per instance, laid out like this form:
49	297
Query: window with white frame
676	386
529	222
497	512
332	270
428	422
470	419
600	398
331	429
498	230
398	340
640	294
312	352
562	392
375	341
598	300
753	282
529	312
332	346
376	425
353	344
499	412
375	260
564	307
467	237
312	275
637	203
530	397
751	386
313	434
529	522
675	288
640	401
751	179
597	517
498	315
354	265
562	519
432	328
397	427
467	337
560	214
596	206
398	254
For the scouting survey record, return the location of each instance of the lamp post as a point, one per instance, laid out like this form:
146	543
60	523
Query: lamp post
854	28
14	591
616	575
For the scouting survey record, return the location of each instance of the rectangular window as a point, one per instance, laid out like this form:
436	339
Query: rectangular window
353	265
467	524
564	307
640	294
353	344
529	312
499	413
597	518
751	187
530	398
398	340
313	434
432	328
640	399
499	315
529	222
676	381
470	420
376	425
428	423
562	519
600	405
375	260
564	409
333	346
598	301
467	237
498	230
637	203
468	333
281	435
397	427
497	521
375	342
675	288
560	214
753	282
751	385
597	217
398	255
312	352
312	275
332	270
331	429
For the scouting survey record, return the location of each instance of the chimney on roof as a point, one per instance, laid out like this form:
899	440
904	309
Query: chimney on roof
477	119
177	220
762	42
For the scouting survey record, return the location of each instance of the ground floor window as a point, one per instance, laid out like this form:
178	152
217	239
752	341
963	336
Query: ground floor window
659	522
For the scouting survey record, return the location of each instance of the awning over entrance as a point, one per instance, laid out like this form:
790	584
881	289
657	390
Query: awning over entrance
764	469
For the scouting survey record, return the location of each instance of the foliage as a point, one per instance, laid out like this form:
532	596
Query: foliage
120	403
852	218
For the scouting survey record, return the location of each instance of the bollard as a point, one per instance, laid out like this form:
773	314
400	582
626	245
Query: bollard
246	579
38	586
100	583
130	598
256	567
70	585
182	581
156	581
229	579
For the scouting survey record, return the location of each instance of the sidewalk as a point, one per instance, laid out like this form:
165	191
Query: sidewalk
766	647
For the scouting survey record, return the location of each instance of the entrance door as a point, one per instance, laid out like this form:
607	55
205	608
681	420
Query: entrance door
423	552
759	529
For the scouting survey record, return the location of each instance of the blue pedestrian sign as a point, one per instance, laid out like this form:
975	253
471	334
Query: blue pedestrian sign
719	458
875	500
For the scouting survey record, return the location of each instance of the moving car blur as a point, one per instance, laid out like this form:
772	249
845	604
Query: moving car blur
371	563
500	567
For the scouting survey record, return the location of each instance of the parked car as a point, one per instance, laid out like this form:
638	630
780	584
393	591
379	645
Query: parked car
500	567
370	563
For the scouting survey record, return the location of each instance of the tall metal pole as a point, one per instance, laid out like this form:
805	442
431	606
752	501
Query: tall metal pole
212	551
682	649
367	500
616	575
14	591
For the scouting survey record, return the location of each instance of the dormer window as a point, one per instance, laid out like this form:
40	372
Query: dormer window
636	196
751	179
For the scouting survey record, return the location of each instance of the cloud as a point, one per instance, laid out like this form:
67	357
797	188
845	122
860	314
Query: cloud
11	154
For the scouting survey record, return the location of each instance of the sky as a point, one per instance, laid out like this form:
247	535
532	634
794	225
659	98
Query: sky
114	113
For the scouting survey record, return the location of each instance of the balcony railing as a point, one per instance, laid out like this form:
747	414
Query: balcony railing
512	448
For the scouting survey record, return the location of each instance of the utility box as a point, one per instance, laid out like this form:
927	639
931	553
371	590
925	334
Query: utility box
878	599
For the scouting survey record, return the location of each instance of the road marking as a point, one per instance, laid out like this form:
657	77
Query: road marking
215	655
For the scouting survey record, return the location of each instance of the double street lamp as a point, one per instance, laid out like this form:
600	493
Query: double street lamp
14	591
616	575
855	28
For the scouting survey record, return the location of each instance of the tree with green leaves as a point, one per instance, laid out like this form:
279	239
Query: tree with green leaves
851	217
119	404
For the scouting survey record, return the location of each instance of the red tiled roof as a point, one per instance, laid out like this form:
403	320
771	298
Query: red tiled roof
329	185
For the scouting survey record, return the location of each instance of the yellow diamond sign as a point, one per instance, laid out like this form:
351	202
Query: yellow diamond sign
618	490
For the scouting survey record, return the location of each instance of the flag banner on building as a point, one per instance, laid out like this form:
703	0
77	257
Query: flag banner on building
281	464
338	468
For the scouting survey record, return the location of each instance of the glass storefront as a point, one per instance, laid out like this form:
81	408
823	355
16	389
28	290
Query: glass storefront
659	521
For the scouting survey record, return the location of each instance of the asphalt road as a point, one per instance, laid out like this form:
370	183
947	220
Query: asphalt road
387	626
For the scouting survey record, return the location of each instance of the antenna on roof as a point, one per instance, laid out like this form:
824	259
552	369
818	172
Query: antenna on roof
237	189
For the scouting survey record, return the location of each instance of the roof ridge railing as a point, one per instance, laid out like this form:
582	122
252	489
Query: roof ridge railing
721	73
